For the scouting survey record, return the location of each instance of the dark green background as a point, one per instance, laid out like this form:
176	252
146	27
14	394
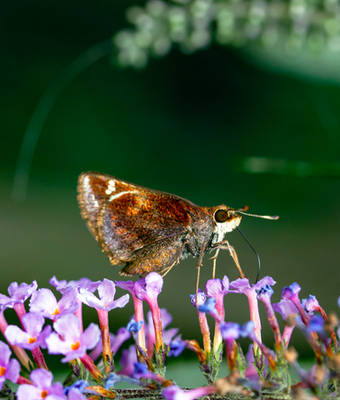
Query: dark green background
181	125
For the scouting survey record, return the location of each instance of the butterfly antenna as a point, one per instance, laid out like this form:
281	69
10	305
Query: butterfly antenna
271	217
256	254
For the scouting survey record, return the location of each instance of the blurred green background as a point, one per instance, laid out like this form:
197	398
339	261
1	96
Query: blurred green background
198	125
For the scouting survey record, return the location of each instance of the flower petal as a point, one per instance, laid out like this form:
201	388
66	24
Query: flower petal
23	291
5	353
88	298
13	370
68	326
41	378
15	335
28	392
43	301
33	323
55	345
240	285
107	290
90	336
119	303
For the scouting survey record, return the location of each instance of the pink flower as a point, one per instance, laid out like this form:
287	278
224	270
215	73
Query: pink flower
33	335
44	302
70	340
9	369
42	387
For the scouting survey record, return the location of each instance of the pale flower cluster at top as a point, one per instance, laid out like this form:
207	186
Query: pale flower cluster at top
191	25
47	324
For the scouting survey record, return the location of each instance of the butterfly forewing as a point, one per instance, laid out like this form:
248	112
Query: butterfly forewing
127	218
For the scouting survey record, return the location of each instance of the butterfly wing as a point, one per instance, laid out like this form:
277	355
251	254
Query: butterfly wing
160	256
126	218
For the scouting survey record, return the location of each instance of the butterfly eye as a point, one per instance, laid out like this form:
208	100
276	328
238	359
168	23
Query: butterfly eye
222	215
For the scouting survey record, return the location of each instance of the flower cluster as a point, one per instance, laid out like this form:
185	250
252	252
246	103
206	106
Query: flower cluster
47	324
192	25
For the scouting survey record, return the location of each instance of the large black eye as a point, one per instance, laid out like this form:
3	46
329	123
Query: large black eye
222	215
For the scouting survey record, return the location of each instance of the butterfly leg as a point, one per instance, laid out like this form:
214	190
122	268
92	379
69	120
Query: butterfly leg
225	245
199	265
167	270
214	259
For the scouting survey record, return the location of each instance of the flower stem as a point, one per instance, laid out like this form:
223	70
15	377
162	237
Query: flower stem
230	346
19	308
254	314
39	358
139	316
286	335
272	322
202	319
21	380
104	327
91	367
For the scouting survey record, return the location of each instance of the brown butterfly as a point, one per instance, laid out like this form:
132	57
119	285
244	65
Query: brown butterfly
147	230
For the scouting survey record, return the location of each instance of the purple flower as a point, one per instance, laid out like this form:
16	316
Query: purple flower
83	283
176	347
134	326
149	288
168	334
140	370
33	335
201	298
216	287
202	319
247	329
17	296
44	302
230	330
310	305
19	293
316	324
208	306
69	339
263	287
126	285
291	292
139	313
120	337
9	369
243	286
285	308
240	285
175	393
79	385
75	391
75	394
5	302
42	387
127	361
106	292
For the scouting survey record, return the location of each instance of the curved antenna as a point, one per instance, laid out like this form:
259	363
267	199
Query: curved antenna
42	110
256	254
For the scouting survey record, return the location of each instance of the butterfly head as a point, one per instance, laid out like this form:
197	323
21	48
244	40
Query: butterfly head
226	220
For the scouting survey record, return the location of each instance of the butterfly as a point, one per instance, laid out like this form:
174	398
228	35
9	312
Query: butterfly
145	230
